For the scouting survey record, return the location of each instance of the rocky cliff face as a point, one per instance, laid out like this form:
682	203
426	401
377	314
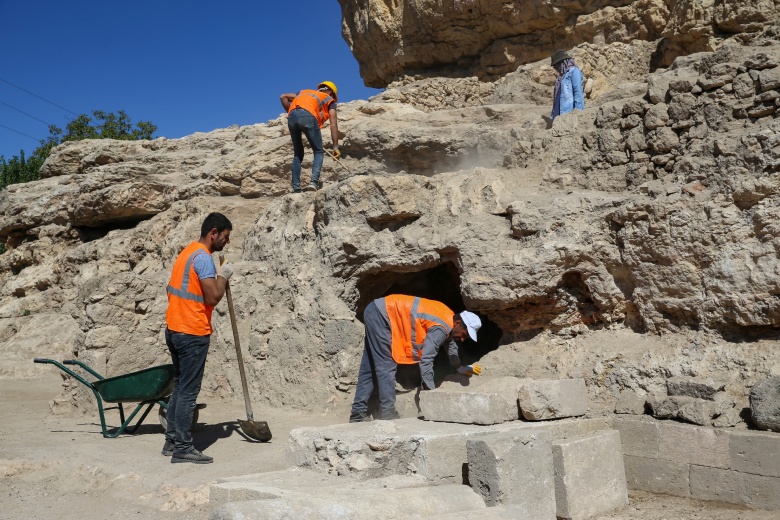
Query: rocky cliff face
626	244
488	38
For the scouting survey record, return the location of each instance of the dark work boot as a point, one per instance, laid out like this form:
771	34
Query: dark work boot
167	448
360	417
193	456
390	415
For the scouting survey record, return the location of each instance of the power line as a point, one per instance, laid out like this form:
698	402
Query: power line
22	133
39	97
25	113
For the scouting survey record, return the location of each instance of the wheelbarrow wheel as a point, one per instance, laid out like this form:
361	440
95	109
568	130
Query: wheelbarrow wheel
163	418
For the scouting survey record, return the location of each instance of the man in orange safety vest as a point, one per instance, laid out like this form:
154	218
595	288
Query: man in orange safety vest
195	287
307	111
404	329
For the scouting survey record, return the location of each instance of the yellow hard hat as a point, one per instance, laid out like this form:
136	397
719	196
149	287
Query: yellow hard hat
331	86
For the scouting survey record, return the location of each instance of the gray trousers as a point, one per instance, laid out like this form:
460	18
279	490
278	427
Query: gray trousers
377	368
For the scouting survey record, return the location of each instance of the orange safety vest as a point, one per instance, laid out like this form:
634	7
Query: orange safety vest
316	102
410	319
187	310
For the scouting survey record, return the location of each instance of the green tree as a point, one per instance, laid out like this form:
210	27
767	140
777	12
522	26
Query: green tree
102	125
19	169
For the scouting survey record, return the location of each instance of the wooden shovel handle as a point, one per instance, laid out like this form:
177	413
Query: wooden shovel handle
231	310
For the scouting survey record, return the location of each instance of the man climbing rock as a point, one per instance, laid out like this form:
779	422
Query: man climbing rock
195	288
406	330
307	111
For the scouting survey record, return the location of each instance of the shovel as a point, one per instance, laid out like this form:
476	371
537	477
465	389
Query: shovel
338	161
257	430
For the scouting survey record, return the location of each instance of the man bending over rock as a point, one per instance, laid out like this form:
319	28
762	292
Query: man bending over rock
406	329
195	288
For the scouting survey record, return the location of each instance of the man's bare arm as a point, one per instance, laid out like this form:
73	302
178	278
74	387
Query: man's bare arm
334	127
287	100
213	290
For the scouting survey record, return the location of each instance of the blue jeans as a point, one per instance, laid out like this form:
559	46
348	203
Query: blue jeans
377	368
189	359
300	122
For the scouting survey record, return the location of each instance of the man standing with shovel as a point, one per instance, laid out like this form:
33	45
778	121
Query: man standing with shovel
195	287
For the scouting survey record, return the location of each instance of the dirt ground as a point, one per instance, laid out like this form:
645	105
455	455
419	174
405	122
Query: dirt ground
54	467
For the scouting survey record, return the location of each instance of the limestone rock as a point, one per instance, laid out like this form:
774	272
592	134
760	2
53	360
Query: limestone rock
576	246
468	408
662	140
656	116
702	388
744	86
499	392
541	400
719	409
630	403
487	38
565	124
53	336
765	404
514	469
435	451
589	475
658	88
696	411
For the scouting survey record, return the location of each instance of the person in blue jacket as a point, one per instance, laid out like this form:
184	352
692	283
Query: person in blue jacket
568	93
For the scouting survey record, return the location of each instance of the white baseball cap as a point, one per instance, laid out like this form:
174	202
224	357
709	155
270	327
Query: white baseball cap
472	323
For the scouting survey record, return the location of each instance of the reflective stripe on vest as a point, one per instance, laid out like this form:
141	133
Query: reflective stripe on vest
315	102
321	104
410	319
188	311
417	347
184	292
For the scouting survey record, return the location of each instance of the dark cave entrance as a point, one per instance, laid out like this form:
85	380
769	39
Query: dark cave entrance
96	232
441	283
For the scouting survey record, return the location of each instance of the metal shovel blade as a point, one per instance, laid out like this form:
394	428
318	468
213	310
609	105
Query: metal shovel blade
257	430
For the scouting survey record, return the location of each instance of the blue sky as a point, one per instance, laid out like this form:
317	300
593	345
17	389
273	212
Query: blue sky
186	66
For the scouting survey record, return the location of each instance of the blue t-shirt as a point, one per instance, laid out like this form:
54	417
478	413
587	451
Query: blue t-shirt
204	266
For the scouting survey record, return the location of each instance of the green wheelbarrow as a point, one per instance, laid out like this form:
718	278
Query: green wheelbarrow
146	387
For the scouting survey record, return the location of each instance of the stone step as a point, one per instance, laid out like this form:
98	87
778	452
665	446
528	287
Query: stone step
434	450
298	482
357	503
506	512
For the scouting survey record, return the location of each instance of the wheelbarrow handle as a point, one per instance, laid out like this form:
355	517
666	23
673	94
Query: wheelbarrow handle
68	371
82	365
64	361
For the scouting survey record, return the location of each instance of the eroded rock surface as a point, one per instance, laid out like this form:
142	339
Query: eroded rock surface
490	38
625	244
764	405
